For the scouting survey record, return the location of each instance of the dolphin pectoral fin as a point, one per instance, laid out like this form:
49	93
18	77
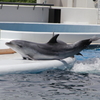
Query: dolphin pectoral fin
94	38
24	58
72	56
29	57
79	54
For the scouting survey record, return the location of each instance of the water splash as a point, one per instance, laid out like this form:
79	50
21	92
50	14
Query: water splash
89	63
87	66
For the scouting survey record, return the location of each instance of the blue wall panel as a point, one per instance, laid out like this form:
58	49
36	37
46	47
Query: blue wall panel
48	27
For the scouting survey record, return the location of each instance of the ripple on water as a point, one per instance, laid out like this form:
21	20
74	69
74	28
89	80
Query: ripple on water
50	85
82	83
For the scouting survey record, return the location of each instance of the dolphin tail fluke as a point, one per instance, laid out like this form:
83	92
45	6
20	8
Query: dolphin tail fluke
79	54
94	38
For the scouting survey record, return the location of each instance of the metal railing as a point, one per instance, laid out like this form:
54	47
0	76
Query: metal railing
30	4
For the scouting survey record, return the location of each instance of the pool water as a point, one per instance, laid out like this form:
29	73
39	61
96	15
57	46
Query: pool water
82	82
89	62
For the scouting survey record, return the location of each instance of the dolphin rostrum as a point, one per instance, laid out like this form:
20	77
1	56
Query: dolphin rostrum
52	50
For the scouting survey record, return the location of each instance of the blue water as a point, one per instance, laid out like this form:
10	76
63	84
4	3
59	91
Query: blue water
80	83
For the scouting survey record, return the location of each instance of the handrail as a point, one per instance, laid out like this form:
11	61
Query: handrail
18	3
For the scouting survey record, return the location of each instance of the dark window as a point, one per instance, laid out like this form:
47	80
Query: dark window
54	15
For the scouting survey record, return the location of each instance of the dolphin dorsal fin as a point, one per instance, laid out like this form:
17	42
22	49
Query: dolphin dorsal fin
53	39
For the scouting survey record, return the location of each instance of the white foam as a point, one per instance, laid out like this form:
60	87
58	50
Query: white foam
91	66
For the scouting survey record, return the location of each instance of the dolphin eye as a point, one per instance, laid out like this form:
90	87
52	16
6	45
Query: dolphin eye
20	45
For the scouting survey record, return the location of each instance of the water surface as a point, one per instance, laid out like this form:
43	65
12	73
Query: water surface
80	83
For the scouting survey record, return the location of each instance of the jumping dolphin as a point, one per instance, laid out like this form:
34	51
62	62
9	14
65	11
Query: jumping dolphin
52	50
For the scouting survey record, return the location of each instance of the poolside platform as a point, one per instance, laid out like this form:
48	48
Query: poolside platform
4	49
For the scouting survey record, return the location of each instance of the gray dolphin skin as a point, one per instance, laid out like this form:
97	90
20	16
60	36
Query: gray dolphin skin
52	50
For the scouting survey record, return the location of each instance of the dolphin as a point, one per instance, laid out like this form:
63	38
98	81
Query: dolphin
52	50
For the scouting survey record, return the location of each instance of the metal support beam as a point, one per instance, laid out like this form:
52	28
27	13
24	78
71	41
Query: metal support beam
1	6
31	4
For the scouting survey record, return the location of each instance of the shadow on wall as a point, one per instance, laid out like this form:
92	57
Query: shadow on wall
96	3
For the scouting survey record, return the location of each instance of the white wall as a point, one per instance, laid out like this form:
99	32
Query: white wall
79	16
85	3
90	4
70	3
81	3
39	36
23	14
39	14
55	2
29	36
